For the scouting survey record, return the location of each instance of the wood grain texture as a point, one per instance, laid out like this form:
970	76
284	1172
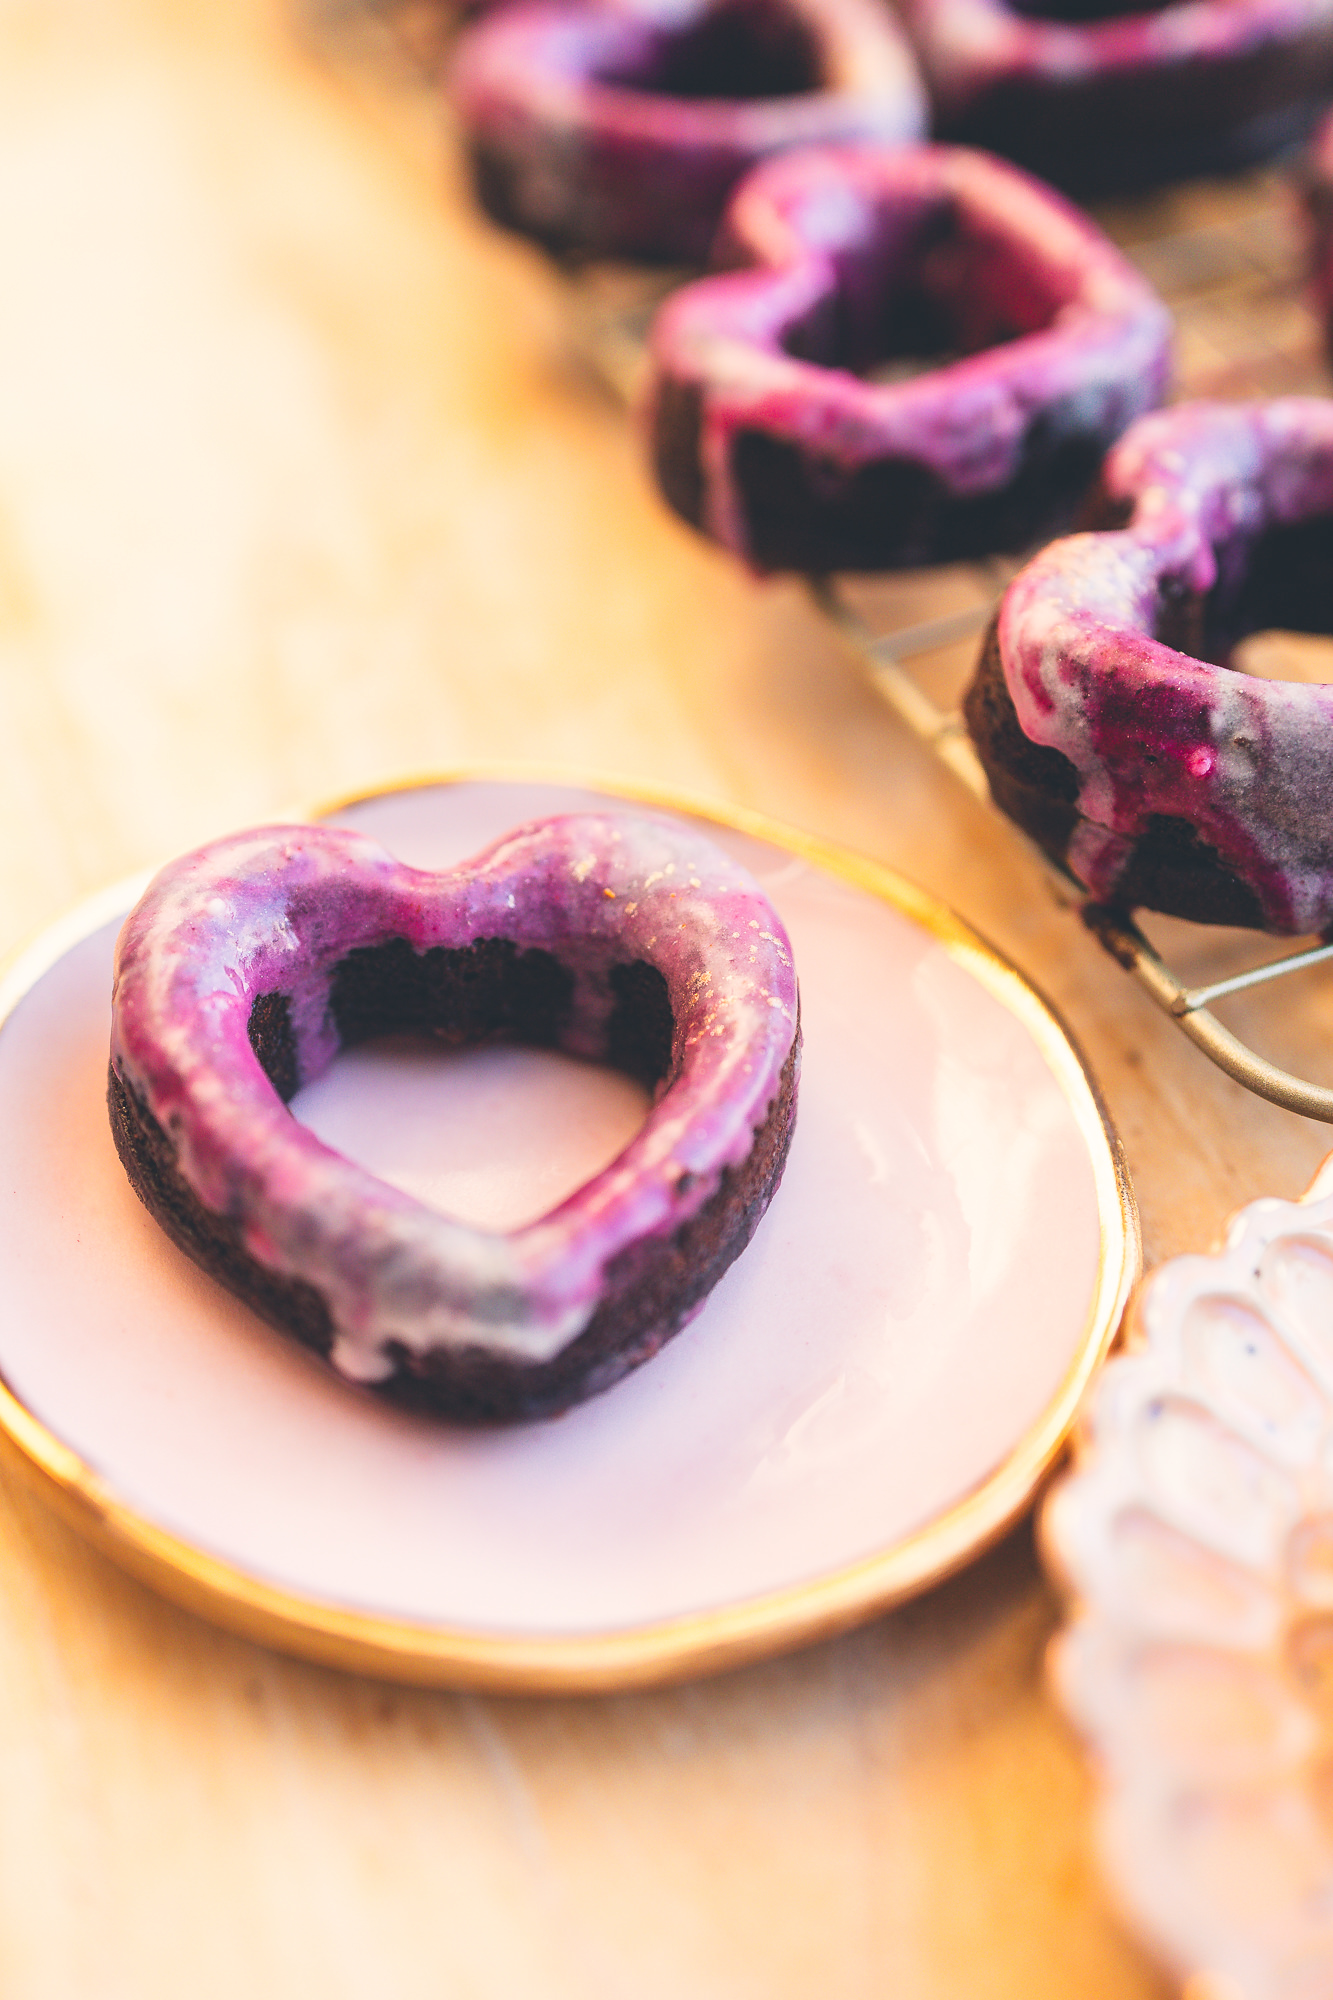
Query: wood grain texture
300	490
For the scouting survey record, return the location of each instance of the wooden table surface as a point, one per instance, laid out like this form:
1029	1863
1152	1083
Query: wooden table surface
301	490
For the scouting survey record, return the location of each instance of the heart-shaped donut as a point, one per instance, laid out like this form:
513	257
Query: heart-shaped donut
609	129
769	431
1104	709
619	938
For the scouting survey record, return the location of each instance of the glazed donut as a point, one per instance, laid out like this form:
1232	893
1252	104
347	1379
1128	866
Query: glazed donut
767	437
1097	99
619	938
1104	711
606	129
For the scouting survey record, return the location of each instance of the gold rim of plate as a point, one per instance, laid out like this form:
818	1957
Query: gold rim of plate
695	1643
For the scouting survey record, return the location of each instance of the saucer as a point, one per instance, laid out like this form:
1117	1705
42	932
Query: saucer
867	1399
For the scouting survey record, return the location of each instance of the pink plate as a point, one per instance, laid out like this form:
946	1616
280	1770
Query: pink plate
868	1397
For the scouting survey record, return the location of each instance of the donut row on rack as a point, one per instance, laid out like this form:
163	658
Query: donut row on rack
792	421
1105	707
618	127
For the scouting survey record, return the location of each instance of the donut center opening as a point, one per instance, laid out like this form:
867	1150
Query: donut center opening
470	1078
1270	612
495	1137
919	290
1285	656
744	50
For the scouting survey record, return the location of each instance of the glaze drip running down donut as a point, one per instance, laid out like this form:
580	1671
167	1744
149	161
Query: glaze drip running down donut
618	938
768	431
1104	711
1098	97
607	129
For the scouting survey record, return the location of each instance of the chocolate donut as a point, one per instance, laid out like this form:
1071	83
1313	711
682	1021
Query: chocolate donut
1098	98
768	432
606	129
619	938
1104	711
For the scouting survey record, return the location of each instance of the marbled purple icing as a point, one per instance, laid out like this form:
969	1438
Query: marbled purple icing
277	909
1247	762
596	156
1059	92
831	232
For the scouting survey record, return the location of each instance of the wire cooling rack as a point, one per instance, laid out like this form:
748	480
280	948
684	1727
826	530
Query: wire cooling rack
1227	257
1226	254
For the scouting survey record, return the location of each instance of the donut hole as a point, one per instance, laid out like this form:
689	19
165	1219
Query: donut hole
922	288
738	51
494	1137
1275	655
491	990
1280	614
465	1078
1269	614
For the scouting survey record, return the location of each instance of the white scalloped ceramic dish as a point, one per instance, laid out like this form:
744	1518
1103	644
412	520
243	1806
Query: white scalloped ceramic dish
1195	1534
868	1397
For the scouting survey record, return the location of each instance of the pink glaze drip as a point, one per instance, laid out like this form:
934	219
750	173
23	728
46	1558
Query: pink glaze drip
638	172
1151	730
276	910
834	227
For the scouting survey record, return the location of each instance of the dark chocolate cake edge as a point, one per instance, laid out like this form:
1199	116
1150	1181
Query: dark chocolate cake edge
653	1288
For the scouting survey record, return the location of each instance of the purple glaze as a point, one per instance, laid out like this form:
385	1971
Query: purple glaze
594	164
835	229
1248	762
277	909
967	46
